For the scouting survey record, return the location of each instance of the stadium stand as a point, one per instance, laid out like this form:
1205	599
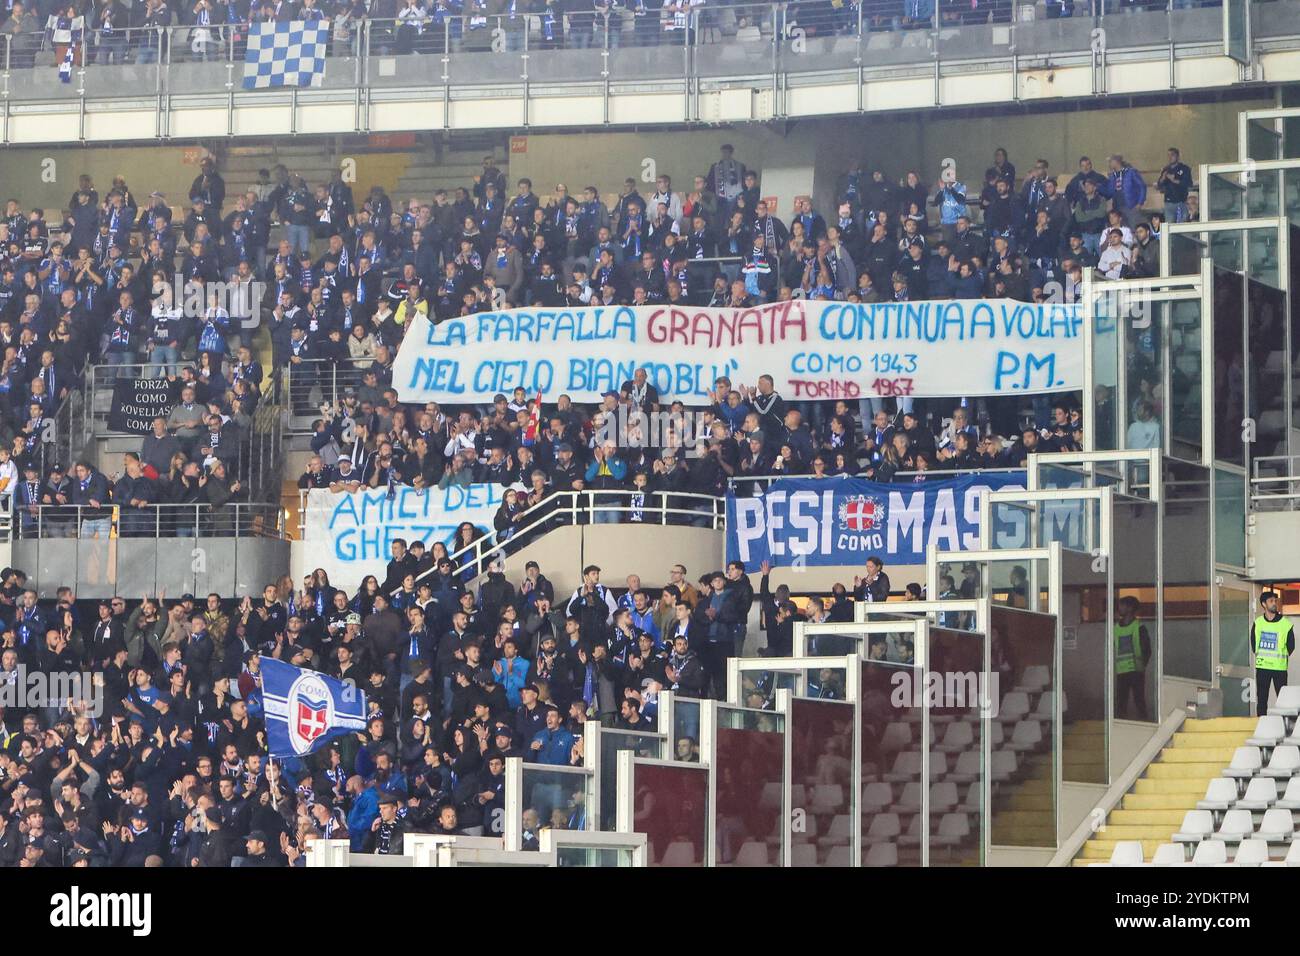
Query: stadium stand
190	382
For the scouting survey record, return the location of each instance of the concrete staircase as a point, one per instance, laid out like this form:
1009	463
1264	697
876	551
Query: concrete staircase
1022	810
1172	784
447	165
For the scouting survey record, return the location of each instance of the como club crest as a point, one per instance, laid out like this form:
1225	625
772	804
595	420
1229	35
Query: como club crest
311	712
861	513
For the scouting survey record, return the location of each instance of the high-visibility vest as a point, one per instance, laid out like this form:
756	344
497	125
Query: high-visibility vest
1127	647
1271	638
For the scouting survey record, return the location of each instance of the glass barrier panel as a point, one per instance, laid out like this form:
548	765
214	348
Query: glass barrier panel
1186	368
1022	768
758	688
1263	193
822	801
1229	369
1015	582
611	743
750	763
593	856
892	762
1226	199
670	806
960	695
1188	553
553	797
1230	519
686	730
1085	736
1106	364
1134	631
1011	525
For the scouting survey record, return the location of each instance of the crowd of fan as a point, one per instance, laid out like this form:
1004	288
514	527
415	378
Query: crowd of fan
110	32
169	764
347	278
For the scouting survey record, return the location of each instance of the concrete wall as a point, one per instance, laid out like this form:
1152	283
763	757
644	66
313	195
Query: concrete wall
795	157
135	567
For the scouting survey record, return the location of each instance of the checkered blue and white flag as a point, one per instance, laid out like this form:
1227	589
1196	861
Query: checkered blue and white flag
290	53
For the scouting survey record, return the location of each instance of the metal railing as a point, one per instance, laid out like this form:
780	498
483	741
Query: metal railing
257	453
770	40
1275	483
752	484
234	519
565	508
310	383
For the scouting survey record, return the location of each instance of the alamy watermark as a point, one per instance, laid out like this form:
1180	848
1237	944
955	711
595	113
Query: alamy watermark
630	427
966	690
24	688
240	298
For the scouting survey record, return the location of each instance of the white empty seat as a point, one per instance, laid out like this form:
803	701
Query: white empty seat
1027	736
914	830
1210	853
1169	854
1246	762
882	854
1293	854
803	854
1276	827
827	798
943	797
1251	853
798	795
938	764
959	737
967	767
884	827
1269	731
1013	707
1035	679
1261	793
909	801
1284	763
679	853
953	830
752	853
840	831
1291	799
1237	825
1046	709
1288	701
974	799
876	796
1220	795
770	797
839	855
1197	825
907	766
1004	765
996	737
1126	853
897	736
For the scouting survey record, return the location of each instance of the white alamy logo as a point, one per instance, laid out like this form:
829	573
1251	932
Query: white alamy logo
78	910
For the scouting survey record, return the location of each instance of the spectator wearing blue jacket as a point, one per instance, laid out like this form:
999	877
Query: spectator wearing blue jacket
365	809
607	470
1128	189
554	745
511	672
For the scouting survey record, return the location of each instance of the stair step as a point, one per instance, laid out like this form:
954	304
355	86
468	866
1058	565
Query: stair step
1187	771
1173	785
1219	725
1162	801
1196	755
1231	739
1170	817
